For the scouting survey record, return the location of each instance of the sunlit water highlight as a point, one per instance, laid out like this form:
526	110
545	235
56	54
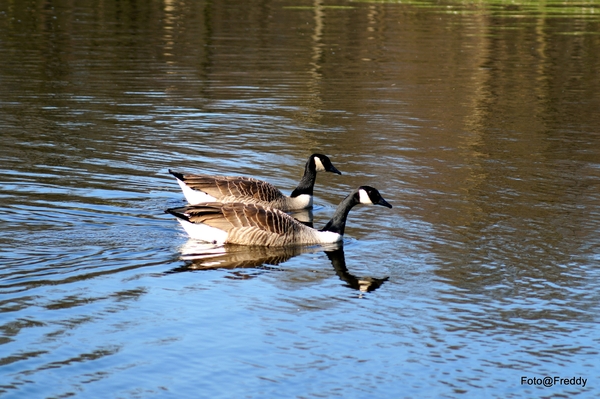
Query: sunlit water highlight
477	122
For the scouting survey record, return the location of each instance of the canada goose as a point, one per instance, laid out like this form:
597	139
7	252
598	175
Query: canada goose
227	189
252	224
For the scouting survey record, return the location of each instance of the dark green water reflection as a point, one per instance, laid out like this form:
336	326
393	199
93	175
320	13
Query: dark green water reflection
478	121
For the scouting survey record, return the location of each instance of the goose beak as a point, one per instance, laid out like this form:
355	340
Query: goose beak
332	169
384	203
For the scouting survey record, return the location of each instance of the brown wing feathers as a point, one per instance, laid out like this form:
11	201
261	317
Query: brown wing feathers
245	224
248	216
225	186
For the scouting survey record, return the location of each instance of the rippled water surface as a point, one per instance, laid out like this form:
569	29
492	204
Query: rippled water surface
479	122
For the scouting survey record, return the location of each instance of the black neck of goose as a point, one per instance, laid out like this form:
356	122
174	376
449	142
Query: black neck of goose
307	183
337	224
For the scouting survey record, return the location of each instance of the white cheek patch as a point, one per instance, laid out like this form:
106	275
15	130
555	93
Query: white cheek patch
363	197
319	164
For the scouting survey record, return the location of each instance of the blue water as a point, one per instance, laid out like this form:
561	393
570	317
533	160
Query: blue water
479	125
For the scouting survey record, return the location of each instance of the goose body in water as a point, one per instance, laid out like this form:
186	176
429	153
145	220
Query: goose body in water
233	189
252	224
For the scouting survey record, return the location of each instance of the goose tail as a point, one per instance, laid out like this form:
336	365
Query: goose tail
179	213
177	175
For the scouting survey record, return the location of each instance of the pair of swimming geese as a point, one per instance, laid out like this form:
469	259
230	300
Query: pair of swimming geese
247	211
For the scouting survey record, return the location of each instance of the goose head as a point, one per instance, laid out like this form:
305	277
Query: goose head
370	196
323	163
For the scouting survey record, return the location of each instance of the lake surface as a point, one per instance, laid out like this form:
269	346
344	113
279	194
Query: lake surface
479	123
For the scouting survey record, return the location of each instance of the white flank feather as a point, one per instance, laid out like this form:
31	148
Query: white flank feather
194	197
200	231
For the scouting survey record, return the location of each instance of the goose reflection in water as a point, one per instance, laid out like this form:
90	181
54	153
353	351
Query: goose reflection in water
363	284
202	256
304	216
